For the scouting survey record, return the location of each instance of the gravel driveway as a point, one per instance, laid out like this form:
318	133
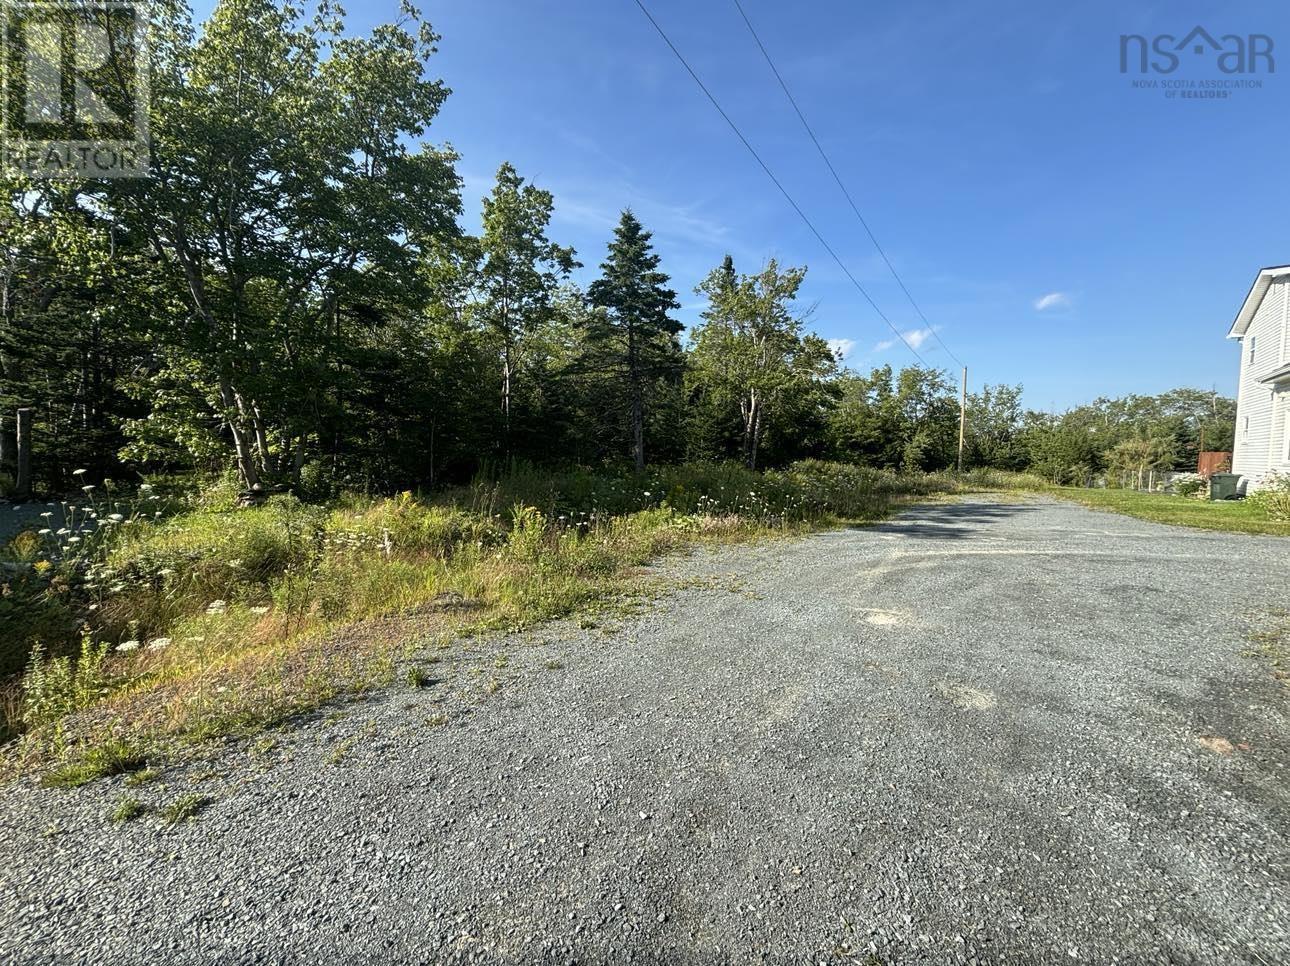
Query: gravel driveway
986	732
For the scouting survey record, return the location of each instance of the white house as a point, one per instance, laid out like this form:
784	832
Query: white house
1263	395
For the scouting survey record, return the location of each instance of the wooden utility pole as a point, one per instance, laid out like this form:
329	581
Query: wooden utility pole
22	487
962	418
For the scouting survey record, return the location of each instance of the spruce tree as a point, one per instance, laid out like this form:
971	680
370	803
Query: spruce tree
633	330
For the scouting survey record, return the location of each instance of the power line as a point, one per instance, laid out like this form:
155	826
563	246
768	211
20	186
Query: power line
782	190
833	171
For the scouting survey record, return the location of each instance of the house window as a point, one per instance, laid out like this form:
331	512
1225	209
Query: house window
1254	339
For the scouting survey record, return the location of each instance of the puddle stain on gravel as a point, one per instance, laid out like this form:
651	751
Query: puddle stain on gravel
1220	745
877	617
962	696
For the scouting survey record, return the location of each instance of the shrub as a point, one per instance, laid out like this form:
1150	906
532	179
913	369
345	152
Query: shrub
31	611
55	687
1190	484
1273	496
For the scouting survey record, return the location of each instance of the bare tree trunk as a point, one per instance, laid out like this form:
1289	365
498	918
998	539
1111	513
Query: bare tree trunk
22	489
506	399
245	460
8	446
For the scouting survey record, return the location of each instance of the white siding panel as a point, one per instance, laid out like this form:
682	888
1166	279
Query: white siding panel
1258	447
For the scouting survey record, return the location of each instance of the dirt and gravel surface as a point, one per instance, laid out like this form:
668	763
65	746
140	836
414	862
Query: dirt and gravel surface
986	732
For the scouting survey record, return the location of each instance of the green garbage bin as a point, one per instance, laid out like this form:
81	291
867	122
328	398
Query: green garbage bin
1222	486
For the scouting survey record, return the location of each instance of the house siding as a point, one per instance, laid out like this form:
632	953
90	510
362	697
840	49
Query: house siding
1260	445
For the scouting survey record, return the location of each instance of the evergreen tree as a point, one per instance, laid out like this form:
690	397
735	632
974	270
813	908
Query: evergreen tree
634	331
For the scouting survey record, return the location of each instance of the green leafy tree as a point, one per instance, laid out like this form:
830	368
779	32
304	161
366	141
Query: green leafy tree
752	351
286	207
519	276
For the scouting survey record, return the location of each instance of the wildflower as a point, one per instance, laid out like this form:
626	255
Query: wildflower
64	532
79	472
158	643
216	607
46	532
46	515
89	488
115	517
128	646
259	610
73	539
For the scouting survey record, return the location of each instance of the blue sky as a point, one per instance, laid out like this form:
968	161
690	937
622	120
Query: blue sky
1060	228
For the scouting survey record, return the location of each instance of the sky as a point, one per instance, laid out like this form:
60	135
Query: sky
1058	227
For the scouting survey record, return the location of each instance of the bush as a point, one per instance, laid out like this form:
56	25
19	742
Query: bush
1190	484
1273	496
53	688
31	611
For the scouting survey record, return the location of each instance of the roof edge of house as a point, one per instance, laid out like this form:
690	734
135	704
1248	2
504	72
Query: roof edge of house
1250	307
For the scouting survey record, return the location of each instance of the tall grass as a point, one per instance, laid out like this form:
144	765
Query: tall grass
216	621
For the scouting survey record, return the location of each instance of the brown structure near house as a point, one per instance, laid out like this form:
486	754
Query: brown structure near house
1214	462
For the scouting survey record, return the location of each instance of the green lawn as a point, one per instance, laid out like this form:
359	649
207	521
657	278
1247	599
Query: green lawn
1236	516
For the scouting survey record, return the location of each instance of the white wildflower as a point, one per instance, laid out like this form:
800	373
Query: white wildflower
128	646
157	643
216	607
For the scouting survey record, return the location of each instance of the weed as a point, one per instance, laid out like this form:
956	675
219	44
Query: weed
417	678
437	720
142	777
262	746
1272	644
112	757
184	808
340	751
553	664
54	688
127	810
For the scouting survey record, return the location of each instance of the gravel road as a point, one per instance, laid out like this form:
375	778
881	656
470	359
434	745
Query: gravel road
986	732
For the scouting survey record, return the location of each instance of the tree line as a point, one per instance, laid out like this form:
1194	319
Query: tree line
291	296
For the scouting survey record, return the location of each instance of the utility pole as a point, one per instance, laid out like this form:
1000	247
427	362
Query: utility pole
962	418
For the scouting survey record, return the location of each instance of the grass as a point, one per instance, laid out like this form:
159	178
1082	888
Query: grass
102	759
220	624
184	808
1272	645
1235	516
127	810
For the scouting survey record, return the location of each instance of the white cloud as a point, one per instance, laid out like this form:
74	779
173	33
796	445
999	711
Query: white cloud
1053	300
913	337
842	347
917	337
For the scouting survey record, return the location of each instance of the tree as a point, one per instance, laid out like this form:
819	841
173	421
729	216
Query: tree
520	273
285	206
994	427
634	330
1135	458
751	350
